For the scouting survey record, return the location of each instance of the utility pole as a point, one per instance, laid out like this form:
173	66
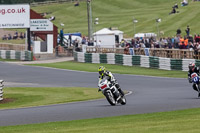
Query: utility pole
158	20
134	23
29	39
89	14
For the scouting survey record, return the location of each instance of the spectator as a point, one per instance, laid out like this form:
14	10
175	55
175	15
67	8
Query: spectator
21	35
132	43
76	42
173	11
175	6
52	18
195	49
15	35
137	43
126	49
9	37
191	47
61	37
186	42
122	43
178	32
83	40
190	39
173	41
99	43
184	3
197	38
198	46
187	30
70	40
4	37
181	44
147	44
155	45
76	4
169	43
142	45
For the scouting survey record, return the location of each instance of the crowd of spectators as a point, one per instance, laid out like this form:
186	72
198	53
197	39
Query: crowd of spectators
177	42
14	37
175	6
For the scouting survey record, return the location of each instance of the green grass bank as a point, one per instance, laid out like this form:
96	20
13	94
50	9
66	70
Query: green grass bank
120	13
185	121
89	67
29	96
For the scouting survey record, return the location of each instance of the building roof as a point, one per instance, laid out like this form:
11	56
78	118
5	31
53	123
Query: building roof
104	31
117	32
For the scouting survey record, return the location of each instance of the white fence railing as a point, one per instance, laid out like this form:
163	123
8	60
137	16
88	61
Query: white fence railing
1	90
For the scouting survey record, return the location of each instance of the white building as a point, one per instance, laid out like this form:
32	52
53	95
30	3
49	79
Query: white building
118	35
106	36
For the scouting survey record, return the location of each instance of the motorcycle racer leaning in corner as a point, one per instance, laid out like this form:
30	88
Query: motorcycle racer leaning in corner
193	69
104	73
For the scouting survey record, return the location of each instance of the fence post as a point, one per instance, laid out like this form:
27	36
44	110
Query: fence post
1	90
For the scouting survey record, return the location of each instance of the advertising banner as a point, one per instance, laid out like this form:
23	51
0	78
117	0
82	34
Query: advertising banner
14	16
41	25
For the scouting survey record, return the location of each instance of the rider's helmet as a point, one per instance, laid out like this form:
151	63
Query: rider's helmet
191	66
102	70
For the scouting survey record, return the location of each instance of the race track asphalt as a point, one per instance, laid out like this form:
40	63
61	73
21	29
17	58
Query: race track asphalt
150	94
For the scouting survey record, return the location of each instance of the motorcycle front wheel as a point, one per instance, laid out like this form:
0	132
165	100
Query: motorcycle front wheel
110	98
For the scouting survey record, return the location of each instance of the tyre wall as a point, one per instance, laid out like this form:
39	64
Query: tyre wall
16	55
136	60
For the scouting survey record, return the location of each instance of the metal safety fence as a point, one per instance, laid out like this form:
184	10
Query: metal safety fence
159	52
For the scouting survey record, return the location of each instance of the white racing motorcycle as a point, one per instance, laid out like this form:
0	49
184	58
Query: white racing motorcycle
111	92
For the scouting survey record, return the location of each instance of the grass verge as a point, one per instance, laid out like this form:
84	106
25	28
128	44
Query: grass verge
89	67
17	41
184	121
29	96
120	13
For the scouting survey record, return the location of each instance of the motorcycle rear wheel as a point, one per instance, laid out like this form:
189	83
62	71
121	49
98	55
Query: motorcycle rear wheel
123	100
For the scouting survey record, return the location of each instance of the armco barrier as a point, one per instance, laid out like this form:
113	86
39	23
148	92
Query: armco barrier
17	55
1	90
136	60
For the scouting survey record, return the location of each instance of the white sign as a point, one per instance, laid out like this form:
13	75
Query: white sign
14	16
41	25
